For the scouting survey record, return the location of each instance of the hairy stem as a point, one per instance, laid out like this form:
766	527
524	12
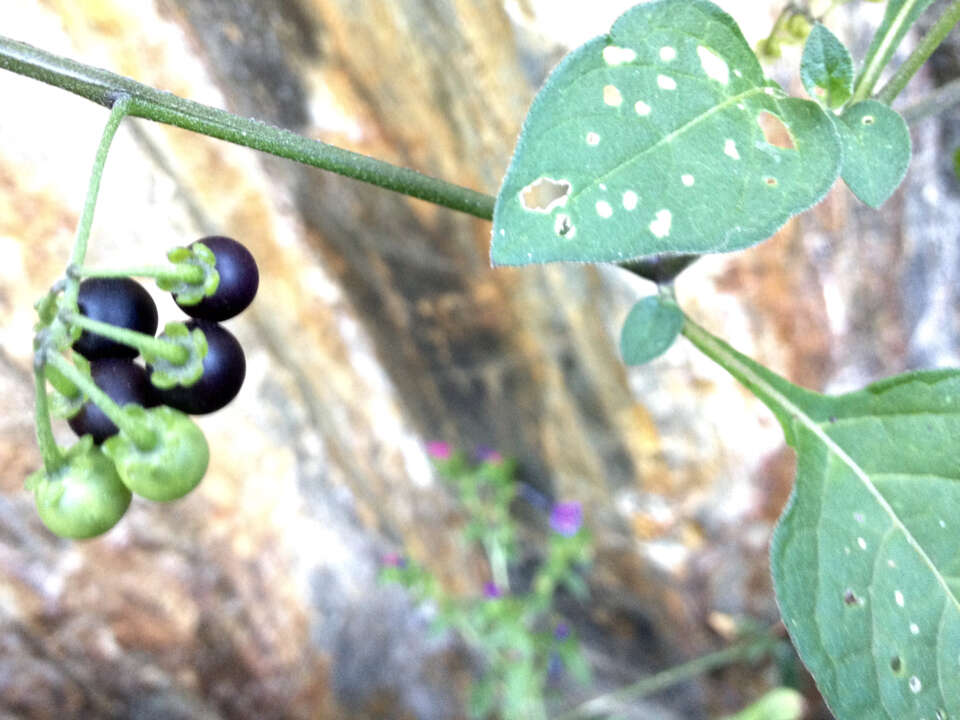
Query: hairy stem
146	344
142	436
104	87
931	41
604	704
171	273
871	73
52	457
118	110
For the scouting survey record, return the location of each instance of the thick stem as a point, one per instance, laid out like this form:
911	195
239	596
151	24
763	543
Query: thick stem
931	41
143	437
52	457
118	111
146	344
172	273
871	73
103	87
746	650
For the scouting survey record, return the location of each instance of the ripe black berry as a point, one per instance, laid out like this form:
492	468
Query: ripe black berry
224	368
239	279
118	301
125	382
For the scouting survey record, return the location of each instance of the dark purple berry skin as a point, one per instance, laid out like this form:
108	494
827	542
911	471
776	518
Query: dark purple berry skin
239	279
119	301
125	382
224	368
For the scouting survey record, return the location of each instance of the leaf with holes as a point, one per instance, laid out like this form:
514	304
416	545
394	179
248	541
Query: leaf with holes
864	559
826	68
652	139
649	330
876	150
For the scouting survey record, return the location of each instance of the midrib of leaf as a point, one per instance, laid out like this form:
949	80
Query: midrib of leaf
754	378
670	137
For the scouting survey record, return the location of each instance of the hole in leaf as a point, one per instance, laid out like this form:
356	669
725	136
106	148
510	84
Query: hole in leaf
941	714
850	597
896	664
544	194
770	181
868	120
774	131
563	226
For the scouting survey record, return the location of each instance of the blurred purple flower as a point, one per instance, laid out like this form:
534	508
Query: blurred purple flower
566	518
562	631
396	560
438	450
491	591
485	453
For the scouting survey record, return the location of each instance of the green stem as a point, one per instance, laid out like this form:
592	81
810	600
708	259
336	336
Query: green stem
103	87
146	344
739	366
931	41
60	383
142	436
52	457
191	274
118	110
742	651
871	73
498	564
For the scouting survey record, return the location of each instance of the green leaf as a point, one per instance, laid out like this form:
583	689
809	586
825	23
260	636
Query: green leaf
876	150
483	698
899	16
956	163
826	68
649	330
864	558
779	704
648	140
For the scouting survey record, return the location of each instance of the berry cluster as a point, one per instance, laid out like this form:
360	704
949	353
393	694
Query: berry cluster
132	418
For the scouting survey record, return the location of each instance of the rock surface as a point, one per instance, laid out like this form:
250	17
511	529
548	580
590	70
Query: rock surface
380	326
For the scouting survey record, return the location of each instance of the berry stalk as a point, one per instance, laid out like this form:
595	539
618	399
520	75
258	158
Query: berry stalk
52	457
141	435
146	344
169	273
119	109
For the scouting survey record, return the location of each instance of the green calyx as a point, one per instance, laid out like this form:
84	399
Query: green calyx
197	256
66	399
82	498
175	464
166	373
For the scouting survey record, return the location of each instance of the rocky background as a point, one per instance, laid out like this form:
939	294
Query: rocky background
380	326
